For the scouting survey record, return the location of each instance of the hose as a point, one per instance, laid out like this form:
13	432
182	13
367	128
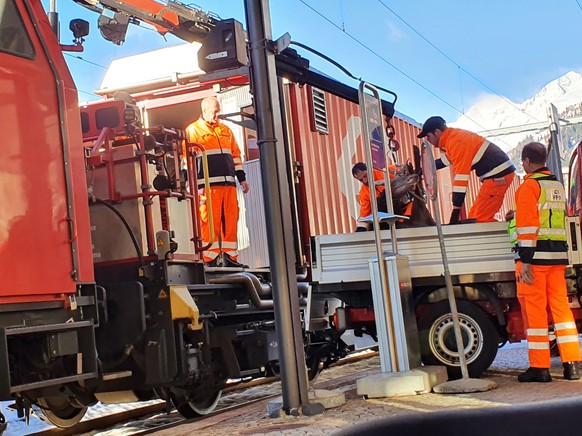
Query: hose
255	288
126	225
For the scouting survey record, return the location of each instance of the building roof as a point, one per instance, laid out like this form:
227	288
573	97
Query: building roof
155	67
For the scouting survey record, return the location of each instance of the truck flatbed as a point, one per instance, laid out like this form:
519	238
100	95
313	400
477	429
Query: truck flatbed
471	249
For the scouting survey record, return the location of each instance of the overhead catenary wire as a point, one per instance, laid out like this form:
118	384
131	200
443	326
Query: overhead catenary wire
460	67
84	60
93	94
386	61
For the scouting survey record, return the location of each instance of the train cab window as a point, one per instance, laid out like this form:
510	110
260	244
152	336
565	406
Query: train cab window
14	38
108	117
85	123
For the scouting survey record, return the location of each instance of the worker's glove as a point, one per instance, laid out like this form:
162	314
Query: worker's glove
455	214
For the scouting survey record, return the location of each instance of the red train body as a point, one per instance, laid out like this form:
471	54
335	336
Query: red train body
103	296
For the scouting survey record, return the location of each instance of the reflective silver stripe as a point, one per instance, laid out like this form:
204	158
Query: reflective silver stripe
537	332
232	245
566	339
218	179
480	152
552	232
445	160
218	151
556	205
232	253
564	325
237	160
527	243
460	189
214	245
379	183
496	170
364	225
462	177
550	184
547	255
526	230
538	345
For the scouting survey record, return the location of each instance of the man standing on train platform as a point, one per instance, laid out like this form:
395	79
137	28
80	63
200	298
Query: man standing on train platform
467	151
224	168
539	232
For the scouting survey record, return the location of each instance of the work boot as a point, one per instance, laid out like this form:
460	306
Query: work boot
541	375
229	261
571	371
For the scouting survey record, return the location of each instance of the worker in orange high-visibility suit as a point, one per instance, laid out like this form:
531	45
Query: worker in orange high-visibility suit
467	151
224	164
539	231
360	173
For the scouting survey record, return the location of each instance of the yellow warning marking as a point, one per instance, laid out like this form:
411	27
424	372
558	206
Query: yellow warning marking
161	242
162	294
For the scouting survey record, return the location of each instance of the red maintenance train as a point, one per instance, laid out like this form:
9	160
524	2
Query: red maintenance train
104	294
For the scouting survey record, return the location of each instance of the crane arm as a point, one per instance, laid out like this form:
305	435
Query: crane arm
186	22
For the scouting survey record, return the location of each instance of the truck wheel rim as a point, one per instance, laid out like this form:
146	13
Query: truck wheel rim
443	344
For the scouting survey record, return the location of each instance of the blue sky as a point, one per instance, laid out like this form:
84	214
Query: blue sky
439	57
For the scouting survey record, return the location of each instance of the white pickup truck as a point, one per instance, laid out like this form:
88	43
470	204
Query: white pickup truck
482	267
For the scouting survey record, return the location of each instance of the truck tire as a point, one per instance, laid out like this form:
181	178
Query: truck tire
438	345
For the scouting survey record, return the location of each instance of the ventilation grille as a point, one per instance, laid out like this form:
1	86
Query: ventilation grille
318	111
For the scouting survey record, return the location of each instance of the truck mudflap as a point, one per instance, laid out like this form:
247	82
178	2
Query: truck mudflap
74	341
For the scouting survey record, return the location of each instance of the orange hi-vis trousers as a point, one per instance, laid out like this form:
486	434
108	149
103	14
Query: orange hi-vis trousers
225	213
549	289
490	198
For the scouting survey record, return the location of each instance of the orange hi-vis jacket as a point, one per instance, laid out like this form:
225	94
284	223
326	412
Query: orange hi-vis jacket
467	151
541	242
540	204
222	151
366	200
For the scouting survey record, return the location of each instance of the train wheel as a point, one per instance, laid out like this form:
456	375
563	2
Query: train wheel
61	411
314	366
438	344
190	406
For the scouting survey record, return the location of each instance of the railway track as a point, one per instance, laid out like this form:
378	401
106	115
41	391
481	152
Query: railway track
161	415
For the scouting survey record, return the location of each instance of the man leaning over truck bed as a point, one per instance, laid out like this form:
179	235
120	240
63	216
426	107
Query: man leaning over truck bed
467	151
360	173
539	232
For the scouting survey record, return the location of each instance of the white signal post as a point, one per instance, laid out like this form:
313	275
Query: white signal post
390	280
372	126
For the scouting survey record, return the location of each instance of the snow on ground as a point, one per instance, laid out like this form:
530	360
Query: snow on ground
509	357
18	427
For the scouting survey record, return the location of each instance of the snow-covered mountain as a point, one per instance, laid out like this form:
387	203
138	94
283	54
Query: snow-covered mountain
493	112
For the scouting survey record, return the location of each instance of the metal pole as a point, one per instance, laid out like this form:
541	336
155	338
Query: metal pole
277	210
448	281
393	351
554	158
53	17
